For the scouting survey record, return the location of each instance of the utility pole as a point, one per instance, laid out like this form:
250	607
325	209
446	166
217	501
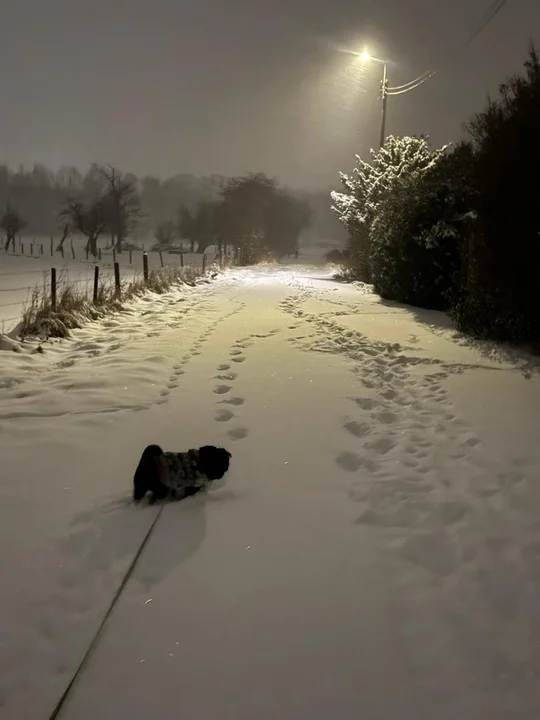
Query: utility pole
386	91
384	98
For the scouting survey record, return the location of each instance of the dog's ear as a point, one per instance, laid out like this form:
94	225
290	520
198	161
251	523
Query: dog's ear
146	474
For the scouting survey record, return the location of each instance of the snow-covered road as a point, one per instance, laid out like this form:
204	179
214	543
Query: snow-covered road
373	553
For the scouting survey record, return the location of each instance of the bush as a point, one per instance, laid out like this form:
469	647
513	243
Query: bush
499	295
416	235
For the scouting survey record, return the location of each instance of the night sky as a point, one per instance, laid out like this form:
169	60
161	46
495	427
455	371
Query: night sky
228	86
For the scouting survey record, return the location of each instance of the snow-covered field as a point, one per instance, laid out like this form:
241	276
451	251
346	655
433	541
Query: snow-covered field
21	274
373	553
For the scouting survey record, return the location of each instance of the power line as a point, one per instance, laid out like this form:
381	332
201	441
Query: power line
420	80
414	84
489	15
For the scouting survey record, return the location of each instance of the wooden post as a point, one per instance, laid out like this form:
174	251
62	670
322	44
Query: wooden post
114	255
130	257
161	258
52	247
181	257
99	254
145	266
41	249
117	279
53	288
96	283
31	248
22	248
204	262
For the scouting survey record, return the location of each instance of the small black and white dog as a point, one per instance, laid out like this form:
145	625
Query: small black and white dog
178	475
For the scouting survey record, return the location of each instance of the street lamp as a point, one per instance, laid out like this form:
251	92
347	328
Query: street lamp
398	90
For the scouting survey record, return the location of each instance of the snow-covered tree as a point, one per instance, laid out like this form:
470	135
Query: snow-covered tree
367	187
416	236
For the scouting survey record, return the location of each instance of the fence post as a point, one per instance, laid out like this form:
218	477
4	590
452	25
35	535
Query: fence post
130	256
52	247
145	266
41	249
96	283
31	248
161	258
53	288
99	254
22	248
204	262
181	257
117	279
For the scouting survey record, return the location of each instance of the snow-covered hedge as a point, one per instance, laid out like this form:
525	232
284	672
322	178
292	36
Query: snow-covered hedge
417	233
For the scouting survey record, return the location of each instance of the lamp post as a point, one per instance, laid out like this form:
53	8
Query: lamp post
398	90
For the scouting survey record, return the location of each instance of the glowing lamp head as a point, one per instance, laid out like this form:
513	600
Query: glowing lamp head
365	56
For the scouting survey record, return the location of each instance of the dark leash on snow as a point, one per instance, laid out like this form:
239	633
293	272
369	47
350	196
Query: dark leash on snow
60	704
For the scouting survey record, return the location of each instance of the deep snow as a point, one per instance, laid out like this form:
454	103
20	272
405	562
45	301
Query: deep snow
374	551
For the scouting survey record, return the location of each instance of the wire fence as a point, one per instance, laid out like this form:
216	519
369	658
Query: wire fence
78	249
96	273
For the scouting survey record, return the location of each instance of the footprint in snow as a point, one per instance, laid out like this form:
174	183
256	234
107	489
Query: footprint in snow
366	403
238	433
349	461
224	415
227	376
381	445
359	430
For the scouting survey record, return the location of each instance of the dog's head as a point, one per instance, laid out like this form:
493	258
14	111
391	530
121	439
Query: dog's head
146	477
213	462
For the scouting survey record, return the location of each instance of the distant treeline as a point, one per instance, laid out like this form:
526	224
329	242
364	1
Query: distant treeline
39	195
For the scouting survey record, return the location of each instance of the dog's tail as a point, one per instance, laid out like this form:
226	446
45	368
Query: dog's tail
146	475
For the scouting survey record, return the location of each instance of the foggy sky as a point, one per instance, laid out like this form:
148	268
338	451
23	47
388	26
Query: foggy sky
229	86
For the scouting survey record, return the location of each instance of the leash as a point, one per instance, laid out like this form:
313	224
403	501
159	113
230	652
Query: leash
95	639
